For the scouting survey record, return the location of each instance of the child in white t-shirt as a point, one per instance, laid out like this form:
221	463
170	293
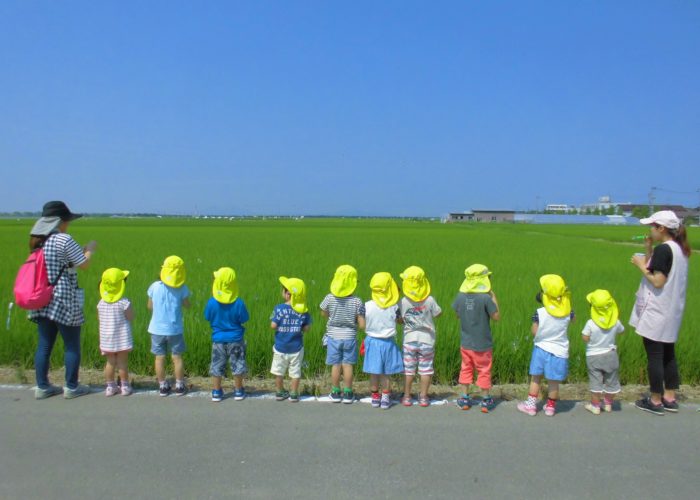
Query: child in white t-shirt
601	352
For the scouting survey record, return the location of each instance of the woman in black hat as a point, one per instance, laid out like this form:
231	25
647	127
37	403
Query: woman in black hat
64	314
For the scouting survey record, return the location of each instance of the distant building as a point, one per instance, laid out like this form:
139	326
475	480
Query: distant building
482	216
467	216
559	208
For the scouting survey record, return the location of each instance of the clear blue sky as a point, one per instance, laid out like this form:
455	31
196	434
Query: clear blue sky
386	108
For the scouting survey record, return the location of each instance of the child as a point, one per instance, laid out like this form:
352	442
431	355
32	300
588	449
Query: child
382	355
476	305
345	313
601	352
115	315
550	357
226	312
166	298
289	320
418	310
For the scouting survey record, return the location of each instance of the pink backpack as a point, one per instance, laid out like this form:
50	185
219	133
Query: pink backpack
33	290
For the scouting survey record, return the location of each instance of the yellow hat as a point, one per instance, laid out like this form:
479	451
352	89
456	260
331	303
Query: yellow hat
112	285
297	289
556	296
225	287
477	279
173	272
604	311
415	285
344	281
385	291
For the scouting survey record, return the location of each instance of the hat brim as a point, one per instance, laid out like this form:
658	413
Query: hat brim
340	288
111	297
558	309
482	284
417	295
173	279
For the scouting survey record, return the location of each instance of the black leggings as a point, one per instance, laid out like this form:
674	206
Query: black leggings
661	365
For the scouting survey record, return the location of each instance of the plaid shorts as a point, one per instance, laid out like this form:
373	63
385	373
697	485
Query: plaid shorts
418	355
227	351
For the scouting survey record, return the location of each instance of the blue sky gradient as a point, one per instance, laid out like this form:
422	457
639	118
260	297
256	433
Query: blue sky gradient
368	108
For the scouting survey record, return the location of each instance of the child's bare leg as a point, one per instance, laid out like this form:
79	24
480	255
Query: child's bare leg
595	398
347	375
465	388
385	381
425	385
279	383
238	381
335	375
374	382
216	383
160	368
535	385
109	367
179	367
123	366
553	389
295	385
407	385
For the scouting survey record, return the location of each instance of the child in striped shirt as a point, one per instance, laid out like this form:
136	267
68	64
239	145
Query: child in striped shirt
345	313
115	315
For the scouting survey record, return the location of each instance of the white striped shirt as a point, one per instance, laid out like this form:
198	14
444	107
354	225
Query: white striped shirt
115	330
342	316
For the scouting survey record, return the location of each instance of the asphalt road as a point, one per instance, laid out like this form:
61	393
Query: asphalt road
145	446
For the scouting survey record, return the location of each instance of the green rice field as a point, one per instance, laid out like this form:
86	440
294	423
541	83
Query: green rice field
588	257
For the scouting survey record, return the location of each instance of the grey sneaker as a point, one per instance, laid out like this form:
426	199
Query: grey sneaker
52	390
81	390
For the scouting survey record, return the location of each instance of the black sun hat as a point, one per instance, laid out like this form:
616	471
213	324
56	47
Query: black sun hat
59	209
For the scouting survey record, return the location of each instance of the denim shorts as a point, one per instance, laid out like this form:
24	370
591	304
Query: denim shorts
161	344
552	367
223	352
341	352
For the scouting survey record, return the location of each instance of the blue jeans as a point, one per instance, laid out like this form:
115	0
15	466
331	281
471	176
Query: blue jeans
48	331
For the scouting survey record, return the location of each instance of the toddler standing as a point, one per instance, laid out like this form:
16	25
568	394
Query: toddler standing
115	315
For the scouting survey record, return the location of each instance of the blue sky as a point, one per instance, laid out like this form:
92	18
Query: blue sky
381	108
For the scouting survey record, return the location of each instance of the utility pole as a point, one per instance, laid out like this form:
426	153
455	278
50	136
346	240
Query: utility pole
652	198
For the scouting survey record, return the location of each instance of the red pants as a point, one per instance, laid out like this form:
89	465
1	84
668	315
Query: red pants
480	361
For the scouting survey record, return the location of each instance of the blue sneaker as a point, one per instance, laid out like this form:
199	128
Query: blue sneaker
487	404
217	395
239	394
465	402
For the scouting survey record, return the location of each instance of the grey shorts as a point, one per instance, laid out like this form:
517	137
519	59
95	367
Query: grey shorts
603	372
233	352
161	344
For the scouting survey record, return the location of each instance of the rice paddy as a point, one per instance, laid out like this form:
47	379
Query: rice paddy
588	257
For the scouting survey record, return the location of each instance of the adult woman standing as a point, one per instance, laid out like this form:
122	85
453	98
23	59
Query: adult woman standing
658	309
64	314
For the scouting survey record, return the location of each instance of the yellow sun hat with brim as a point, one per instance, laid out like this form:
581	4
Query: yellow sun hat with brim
477	279
344	281
385	291
415	285
113	285
173	272
556	296
604	311
225	286
297	289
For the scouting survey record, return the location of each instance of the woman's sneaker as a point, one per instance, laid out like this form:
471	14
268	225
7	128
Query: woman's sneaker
81	390
645	404
239	394
281	395
671	406
487	404
376	400
217	395
51	390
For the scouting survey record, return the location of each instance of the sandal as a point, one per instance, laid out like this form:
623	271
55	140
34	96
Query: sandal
407	401
424	402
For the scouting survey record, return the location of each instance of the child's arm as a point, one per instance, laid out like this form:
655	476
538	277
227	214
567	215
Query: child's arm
150	304
306	328
533	329
129	313
586	334
273	325
361	323
325	314
586	338
496	315
186	303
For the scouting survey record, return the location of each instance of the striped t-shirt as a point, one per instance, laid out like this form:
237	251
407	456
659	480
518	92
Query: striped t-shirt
342	316
115	330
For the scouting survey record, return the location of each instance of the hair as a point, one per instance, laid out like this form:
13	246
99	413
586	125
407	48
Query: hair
36	242
680	236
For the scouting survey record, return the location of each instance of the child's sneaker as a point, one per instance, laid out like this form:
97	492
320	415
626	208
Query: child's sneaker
671	406
281	395
595	410
239	394
376	400
51	390
423	402
487	404
126	390
407	400
646	405
164	389
217	395
111	390
293	397
180	389
348	396
607	407
550	408
465	402
385	403
335	396
527	409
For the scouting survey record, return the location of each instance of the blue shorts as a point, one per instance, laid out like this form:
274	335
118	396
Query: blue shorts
552	367
227	352
382	357
341	352
161	344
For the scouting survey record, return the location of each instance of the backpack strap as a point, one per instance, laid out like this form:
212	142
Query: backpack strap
60	273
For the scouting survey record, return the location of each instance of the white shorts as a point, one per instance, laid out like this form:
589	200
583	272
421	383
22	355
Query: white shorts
282	362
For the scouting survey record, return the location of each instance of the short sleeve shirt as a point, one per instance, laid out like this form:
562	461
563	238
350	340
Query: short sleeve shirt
226	320
475	310
381	323
289	337
601	341
62	253
418	320
167	308
115	330
342	315
661	259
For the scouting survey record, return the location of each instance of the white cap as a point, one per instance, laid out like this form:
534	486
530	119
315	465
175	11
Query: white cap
665	218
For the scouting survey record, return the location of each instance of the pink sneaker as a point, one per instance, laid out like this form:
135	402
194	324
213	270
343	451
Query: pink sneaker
526	409
111	390
549	410
126	390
